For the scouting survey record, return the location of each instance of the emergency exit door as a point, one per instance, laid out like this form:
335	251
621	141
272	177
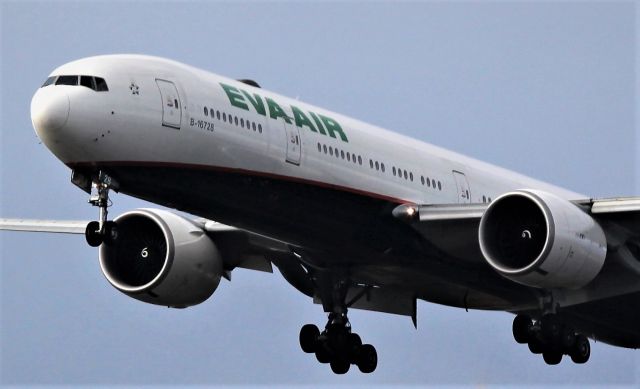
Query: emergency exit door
464	192
171	105
294	147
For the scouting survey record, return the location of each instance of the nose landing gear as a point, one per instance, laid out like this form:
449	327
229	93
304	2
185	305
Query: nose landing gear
103	230
552	338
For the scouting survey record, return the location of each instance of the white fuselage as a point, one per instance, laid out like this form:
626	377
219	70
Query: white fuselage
126	124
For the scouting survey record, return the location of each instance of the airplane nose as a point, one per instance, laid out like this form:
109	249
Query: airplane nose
49	111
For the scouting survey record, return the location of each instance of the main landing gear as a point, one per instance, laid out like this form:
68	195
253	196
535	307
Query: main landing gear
338	346
552	338
103	230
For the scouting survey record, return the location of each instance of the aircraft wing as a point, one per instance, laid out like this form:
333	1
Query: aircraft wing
35	225
620	218
453	228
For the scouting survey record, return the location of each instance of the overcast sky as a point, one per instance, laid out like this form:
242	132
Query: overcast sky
547	89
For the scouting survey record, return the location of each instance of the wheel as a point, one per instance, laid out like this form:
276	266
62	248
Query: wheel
340	366
92	234
354	342
368	360
521	327
535	346
323	354
551	328
568	339
552	357
581	350
309	337
110	232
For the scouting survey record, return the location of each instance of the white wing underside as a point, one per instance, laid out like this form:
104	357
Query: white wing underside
36	225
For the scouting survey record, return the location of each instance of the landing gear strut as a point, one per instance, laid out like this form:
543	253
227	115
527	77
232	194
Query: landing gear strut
103	230
338	346
552	338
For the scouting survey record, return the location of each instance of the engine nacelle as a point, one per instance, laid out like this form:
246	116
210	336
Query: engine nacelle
539	239
161	258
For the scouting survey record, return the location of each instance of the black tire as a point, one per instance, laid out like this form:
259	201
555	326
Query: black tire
535	346
368	360
581	350
340	366
552	357
551	329
309	334
354	345
521	328
323	354
354	340
110	232
92	234
568	339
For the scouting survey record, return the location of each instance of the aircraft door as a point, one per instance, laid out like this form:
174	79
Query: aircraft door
464	192
294	143
171	105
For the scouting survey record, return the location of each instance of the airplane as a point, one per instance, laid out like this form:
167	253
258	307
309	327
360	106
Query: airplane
352	215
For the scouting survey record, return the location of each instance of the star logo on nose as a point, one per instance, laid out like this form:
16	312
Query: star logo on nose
135	90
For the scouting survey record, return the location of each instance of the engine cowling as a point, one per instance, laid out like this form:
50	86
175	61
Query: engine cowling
539	239
161	258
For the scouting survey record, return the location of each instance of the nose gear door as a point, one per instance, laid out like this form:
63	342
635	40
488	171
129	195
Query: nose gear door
171	105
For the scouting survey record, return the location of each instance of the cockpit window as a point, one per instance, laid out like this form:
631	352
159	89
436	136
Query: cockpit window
97	84
101	85
88	81
49	81
67	80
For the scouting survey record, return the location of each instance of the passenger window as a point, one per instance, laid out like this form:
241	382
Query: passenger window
324	148
405	174
260	128
241	122
360	160
411	176
393	169
440	186
206	111
377	166
330	150
49	81
422	180
382	167
235	119
319	147
348	156
67	80
342	154
88	81
101	85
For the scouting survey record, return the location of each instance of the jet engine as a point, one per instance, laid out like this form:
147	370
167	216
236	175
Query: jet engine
161	258
541	240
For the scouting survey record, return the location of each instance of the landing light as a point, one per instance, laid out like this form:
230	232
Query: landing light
406	212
